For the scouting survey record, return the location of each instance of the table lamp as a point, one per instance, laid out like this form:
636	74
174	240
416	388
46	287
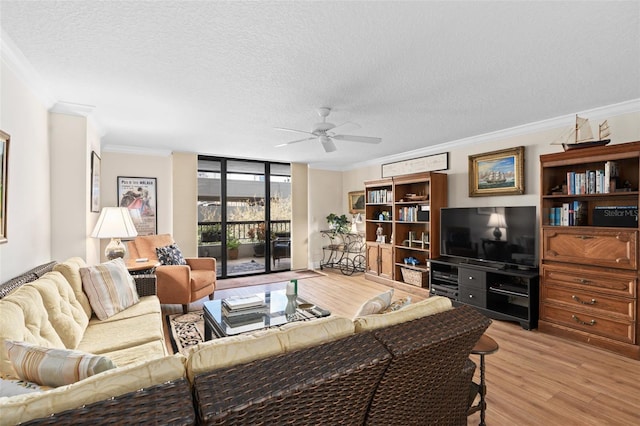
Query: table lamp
357	218
114	223
496	220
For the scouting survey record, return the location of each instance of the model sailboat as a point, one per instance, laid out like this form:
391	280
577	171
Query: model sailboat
581	136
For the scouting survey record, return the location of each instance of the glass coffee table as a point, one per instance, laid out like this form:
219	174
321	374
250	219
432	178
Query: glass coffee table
278	311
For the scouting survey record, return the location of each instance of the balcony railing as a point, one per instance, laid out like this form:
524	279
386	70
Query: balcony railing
211	232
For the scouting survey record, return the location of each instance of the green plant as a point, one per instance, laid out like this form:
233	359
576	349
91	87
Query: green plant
339	224
232	242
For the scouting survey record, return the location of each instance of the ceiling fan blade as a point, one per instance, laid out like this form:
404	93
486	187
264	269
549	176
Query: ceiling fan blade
328	145
352	138
296	141
292	130
347	126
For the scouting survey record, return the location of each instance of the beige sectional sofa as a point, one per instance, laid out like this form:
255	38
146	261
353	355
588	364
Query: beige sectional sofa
327	370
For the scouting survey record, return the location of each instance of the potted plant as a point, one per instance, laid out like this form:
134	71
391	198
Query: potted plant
232	247
258	234
210	233
339	224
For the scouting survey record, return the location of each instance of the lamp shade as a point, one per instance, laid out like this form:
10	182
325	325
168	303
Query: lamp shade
114	222
497	221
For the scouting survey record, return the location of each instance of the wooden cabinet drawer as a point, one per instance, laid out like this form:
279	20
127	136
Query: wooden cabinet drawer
623	331
471	296
599	247
590	302
471	278
623	284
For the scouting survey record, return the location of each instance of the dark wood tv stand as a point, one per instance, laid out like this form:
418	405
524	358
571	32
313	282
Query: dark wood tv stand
503	293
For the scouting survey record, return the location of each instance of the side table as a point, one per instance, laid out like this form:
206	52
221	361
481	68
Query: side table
145	279
485	346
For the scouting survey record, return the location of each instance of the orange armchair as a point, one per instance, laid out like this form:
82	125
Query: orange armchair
177	284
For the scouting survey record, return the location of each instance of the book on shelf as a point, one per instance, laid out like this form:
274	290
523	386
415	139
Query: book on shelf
570	214
241	302
611	173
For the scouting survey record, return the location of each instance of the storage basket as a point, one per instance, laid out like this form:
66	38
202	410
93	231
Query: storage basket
414	277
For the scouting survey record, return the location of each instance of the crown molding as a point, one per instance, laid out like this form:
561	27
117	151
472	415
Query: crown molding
22	68
127	149
627	107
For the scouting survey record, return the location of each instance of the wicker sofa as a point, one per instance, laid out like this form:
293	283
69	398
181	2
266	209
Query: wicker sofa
328	371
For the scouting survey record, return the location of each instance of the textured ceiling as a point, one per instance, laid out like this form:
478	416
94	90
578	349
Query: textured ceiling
217	77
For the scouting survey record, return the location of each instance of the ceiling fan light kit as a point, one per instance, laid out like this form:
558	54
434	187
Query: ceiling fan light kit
323	133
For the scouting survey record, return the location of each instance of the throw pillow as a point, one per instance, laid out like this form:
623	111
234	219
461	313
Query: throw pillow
53	367
397	305
109	287
170	255
376	304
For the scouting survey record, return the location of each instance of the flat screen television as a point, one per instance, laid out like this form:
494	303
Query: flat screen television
496	236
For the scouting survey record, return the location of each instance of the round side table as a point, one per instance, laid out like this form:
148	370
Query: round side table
485	346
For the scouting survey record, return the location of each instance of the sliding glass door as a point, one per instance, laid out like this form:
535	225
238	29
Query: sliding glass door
236	225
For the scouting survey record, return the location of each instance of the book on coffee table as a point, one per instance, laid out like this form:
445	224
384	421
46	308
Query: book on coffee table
252	310
242	302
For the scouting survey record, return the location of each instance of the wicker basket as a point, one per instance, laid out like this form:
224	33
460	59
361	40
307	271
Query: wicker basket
414	277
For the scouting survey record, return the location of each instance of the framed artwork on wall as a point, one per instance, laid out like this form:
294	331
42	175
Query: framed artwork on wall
4	174
139	194
95	182
356	202
497	173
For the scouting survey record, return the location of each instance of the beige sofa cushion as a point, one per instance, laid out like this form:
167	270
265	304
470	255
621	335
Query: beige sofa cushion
235	350
23	318
70	269
430	306
108	336
300	335
111	383
146	351
66	314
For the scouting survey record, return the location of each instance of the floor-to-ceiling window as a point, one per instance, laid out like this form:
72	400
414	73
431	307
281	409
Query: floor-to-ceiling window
236	225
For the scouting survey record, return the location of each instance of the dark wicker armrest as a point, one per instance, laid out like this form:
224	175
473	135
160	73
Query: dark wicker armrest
328	384
164	404
145	284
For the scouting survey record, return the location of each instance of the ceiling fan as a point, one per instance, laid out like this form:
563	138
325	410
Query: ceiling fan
325	133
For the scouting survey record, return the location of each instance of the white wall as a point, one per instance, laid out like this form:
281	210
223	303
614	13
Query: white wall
299	216
116	164
185	210
625	128
325	196
72	139
24	117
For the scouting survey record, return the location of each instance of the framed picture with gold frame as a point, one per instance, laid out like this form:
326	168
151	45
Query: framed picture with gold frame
356	202
497	173
4	175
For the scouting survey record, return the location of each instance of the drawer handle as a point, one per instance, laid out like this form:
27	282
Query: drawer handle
583	281
585	237
470	278
471	296
577	299
579	321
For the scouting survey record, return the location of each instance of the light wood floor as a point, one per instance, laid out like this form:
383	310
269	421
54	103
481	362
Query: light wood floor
533	379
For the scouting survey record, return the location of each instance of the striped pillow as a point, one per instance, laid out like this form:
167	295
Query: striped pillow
376	304
109	287
53	367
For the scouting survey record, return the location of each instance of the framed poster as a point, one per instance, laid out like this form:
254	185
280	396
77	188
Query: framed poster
4	163
356	202
497	173
139	194
95	182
